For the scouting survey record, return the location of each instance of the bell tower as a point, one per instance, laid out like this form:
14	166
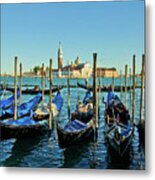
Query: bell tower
60	58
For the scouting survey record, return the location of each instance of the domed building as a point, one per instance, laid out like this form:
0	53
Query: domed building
78	69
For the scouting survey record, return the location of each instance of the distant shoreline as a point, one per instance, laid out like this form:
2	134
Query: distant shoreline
63	77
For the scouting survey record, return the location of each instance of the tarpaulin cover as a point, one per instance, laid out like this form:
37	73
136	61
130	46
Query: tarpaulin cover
58	101
26	107
25	121
87	97
4	103
126	132
75	125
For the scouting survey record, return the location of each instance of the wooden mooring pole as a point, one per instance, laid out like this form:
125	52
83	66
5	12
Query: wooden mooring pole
134	88
113	81
95	108
101	82
20	83
4	85
42	83
68	83
46	77
99	90
121	85
15	87
142	89
50	94
126	84
130	88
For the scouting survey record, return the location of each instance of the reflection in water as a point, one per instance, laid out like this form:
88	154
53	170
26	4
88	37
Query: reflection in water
21	148
44	151
6	150
73	155
117	162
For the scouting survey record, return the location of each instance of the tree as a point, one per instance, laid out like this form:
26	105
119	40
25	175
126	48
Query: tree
36	69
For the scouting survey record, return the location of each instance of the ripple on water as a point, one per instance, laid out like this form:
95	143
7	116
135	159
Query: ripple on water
6	150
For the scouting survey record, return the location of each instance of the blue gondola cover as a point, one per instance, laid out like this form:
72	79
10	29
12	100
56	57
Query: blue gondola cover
87	97
25	121
7	102
58	101
24	108
75	125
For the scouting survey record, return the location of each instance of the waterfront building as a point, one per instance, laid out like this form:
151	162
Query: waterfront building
107	72
28	74
77	69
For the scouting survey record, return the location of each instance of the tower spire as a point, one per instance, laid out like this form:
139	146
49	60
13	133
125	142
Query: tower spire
60	57
60	46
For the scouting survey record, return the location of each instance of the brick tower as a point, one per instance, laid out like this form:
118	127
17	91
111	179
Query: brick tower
60	58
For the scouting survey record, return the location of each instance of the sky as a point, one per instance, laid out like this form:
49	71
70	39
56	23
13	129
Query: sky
114	30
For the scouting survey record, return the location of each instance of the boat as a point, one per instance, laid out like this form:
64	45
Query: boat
118	128
34	90
84	109
22	127
22	110
77	131
103	88
6	103
42	112
25	126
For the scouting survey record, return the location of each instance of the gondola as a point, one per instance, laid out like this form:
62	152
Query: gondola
75	132
118	128
78	130
42	112
35	90
84	109
23	127
103	88
22	110
6	103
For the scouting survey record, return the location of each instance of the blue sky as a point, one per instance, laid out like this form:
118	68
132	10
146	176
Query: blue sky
115	30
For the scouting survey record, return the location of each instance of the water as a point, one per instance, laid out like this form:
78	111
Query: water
44	151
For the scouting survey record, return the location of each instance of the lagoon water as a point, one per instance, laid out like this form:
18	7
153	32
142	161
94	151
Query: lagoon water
44	151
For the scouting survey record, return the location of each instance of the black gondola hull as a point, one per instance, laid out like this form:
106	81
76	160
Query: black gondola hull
69	139
9	131
104	88
120	148
33	92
